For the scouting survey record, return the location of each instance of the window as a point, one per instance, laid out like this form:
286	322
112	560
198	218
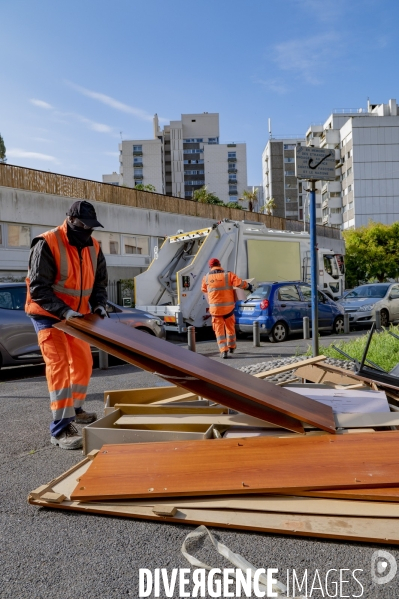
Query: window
289	146
138	172
139	182
137	148
194	140
288	293
306	292
13	298
318	206
348	172
289	173
18	236
109	242
136	244
289	159
318	220
194	172
231	154
194	161
213	140
232	178
335	210
139	160
233	198
195	151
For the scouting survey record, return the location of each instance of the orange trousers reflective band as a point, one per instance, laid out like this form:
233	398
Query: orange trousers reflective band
68	369
225	332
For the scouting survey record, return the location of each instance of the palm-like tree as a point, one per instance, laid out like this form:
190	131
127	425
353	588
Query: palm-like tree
251	197
269	206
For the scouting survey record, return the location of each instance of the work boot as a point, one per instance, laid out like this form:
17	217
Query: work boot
224	355
85	417
68	438
232	350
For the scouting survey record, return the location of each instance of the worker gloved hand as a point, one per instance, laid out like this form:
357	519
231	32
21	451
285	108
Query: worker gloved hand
72	314
250	287
101	311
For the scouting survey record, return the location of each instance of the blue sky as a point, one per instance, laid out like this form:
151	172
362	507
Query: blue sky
76	74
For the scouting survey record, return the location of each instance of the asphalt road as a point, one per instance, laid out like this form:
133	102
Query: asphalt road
66	555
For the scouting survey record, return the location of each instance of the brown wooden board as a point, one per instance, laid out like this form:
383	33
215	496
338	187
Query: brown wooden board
202	388
239	466
252	393
390	494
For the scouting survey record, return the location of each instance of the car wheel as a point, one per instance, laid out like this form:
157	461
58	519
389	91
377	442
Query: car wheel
279	333
384	318
338	327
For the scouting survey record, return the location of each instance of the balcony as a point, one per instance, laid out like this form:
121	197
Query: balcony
232	181
137	152
231	159
137	177
233	192
232	170
138	164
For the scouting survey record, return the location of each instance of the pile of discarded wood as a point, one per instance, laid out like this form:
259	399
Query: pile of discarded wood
315	456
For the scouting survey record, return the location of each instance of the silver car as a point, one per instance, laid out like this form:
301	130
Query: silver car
362	303
18	340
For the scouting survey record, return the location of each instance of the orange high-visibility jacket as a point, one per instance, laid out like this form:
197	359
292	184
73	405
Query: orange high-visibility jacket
75	276
219	284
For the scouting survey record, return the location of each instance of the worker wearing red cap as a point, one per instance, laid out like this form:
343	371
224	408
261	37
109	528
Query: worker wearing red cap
219	285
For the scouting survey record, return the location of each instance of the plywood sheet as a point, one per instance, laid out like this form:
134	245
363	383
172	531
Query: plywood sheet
240	466
227	397
252	394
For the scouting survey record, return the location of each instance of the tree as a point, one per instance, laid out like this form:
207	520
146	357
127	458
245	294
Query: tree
147	187
251	197
269	206
203	196
372	252
2	150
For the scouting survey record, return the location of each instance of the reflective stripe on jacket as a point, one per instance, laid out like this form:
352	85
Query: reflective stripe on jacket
219	285
75	275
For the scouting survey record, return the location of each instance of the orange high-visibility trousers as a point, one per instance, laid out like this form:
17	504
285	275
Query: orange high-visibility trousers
69	366
225	332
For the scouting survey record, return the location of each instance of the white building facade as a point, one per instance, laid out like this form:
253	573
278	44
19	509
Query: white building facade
184	156
366	143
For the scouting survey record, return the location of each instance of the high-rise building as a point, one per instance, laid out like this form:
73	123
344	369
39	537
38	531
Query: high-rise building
184	156
366	144
279	181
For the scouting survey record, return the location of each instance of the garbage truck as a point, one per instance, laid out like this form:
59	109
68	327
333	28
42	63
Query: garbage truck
171	286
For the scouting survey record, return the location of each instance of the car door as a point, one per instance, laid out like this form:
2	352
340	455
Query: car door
393	303
289	307
17	334
325	312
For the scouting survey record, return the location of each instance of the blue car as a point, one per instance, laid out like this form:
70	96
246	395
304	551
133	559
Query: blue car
280	307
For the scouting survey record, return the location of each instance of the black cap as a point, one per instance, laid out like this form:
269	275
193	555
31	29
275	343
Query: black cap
85	212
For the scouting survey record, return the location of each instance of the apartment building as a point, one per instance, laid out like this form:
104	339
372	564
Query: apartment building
279	181
184	156
366	143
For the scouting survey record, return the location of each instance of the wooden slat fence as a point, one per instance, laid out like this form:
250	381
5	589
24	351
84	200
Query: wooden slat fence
18	177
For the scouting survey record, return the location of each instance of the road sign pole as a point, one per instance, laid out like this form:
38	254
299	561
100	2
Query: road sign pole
314	267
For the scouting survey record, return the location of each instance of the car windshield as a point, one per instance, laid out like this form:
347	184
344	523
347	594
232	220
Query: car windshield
262	292
378	291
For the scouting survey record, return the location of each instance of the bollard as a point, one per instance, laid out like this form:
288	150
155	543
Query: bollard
102	360
378	319
346	324
256	334
191	338
306	328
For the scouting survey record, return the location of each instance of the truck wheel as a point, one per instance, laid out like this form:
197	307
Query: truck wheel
384	318
338	327
279	333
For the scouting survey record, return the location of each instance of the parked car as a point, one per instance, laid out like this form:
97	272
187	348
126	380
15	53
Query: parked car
280	307
18	340
363	302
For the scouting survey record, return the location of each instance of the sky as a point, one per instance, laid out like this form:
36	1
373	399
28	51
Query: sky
76	77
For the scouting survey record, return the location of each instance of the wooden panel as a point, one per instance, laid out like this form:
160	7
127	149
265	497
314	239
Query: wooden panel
251	465
288	367
253	394
209	390
390	494
141	396
169	409
369	530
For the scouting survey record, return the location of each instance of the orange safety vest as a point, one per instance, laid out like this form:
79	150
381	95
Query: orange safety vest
75	276
219	287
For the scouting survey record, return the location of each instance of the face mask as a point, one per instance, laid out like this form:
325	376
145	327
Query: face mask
80	235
